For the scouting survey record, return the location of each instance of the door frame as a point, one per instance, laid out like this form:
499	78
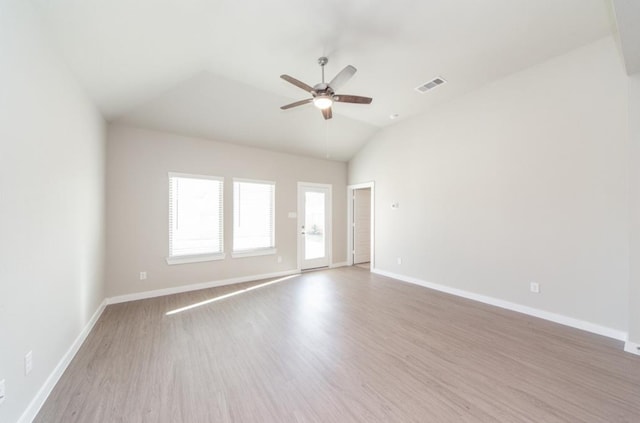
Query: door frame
329	218
350	194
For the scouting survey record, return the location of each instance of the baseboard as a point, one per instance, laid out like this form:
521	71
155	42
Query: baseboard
36	403
632	347
340	264
195	287
542	314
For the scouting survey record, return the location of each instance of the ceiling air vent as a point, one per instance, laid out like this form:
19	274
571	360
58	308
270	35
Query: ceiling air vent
430	85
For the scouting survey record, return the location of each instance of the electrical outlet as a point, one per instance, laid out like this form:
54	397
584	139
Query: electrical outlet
28	362
399	260
143	276
279	259
2	391
534	287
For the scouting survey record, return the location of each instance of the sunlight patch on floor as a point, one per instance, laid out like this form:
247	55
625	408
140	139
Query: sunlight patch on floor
231	294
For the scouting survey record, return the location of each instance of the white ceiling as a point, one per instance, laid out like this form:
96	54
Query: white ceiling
627	14
211	68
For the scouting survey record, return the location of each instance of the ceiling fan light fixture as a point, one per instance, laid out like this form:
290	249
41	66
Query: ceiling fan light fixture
322	102
324	94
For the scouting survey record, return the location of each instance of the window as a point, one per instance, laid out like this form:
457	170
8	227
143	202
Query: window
253	216
195	218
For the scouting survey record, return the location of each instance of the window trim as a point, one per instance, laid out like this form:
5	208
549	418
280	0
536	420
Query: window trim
196	258
254	252
264	251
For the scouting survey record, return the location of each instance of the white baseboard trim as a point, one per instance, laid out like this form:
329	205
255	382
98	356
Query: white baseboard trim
542	314
194	287
632	347
36	403
339	264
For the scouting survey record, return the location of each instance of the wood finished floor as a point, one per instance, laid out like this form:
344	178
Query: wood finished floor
341	345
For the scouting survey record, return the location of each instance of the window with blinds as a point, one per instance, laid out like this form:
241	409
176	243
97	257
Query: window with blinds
253	216
195	217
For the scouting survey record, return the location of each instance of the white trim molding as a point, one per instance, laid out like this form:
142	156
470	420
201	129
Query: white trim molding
36	403
194	258
254	253
632	347
531	311
338	264
195	176
194	287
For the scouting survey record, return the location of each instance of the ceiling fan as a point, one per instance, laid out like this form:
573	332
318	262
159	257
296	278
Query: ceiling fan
323	95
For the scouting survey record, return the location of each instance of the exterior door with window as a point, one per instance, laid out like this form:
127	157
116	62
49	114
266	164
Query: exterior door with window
314	225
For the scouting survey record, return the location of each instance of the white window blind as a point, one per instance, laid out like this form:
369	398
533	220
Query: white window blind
253	215
195	215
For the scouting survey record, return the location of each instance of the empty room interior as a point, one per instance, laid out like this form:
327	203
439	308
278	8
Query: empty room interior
338	211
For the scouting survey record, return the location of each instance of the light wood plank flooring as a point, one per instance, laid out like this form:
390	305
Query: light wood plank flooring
341	345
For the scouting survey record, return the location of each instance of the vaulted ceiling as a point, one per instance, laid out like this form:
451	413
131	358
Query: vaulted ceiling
211	68
627	13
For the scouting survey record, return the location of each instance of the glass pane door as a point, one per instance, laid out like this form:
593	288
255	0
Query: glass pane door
314	225
314	204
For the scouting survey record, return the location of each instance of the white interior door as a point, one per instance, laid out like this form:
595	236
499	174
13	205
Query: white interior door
362	225
314	225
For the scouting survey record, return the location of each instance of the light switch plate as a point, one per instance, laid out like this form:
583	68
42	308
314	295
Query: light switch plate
28	362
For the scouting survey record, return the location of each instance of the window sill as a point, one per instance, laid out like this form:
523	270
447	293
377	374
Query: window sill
195	258
253	253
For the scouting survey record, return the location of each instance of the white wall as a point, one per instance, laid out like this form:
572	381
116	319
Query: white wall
137	206
634	163
523	180
51	207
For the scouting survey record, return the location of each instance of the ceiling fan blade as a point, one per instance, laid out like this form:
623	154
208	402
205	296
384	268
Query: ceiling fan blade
297	103
327	113
345	98
343	76
297	83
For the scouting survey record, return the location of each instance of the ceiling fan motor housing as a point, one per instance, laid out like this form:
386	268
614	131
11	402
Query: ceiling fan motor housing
322	89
